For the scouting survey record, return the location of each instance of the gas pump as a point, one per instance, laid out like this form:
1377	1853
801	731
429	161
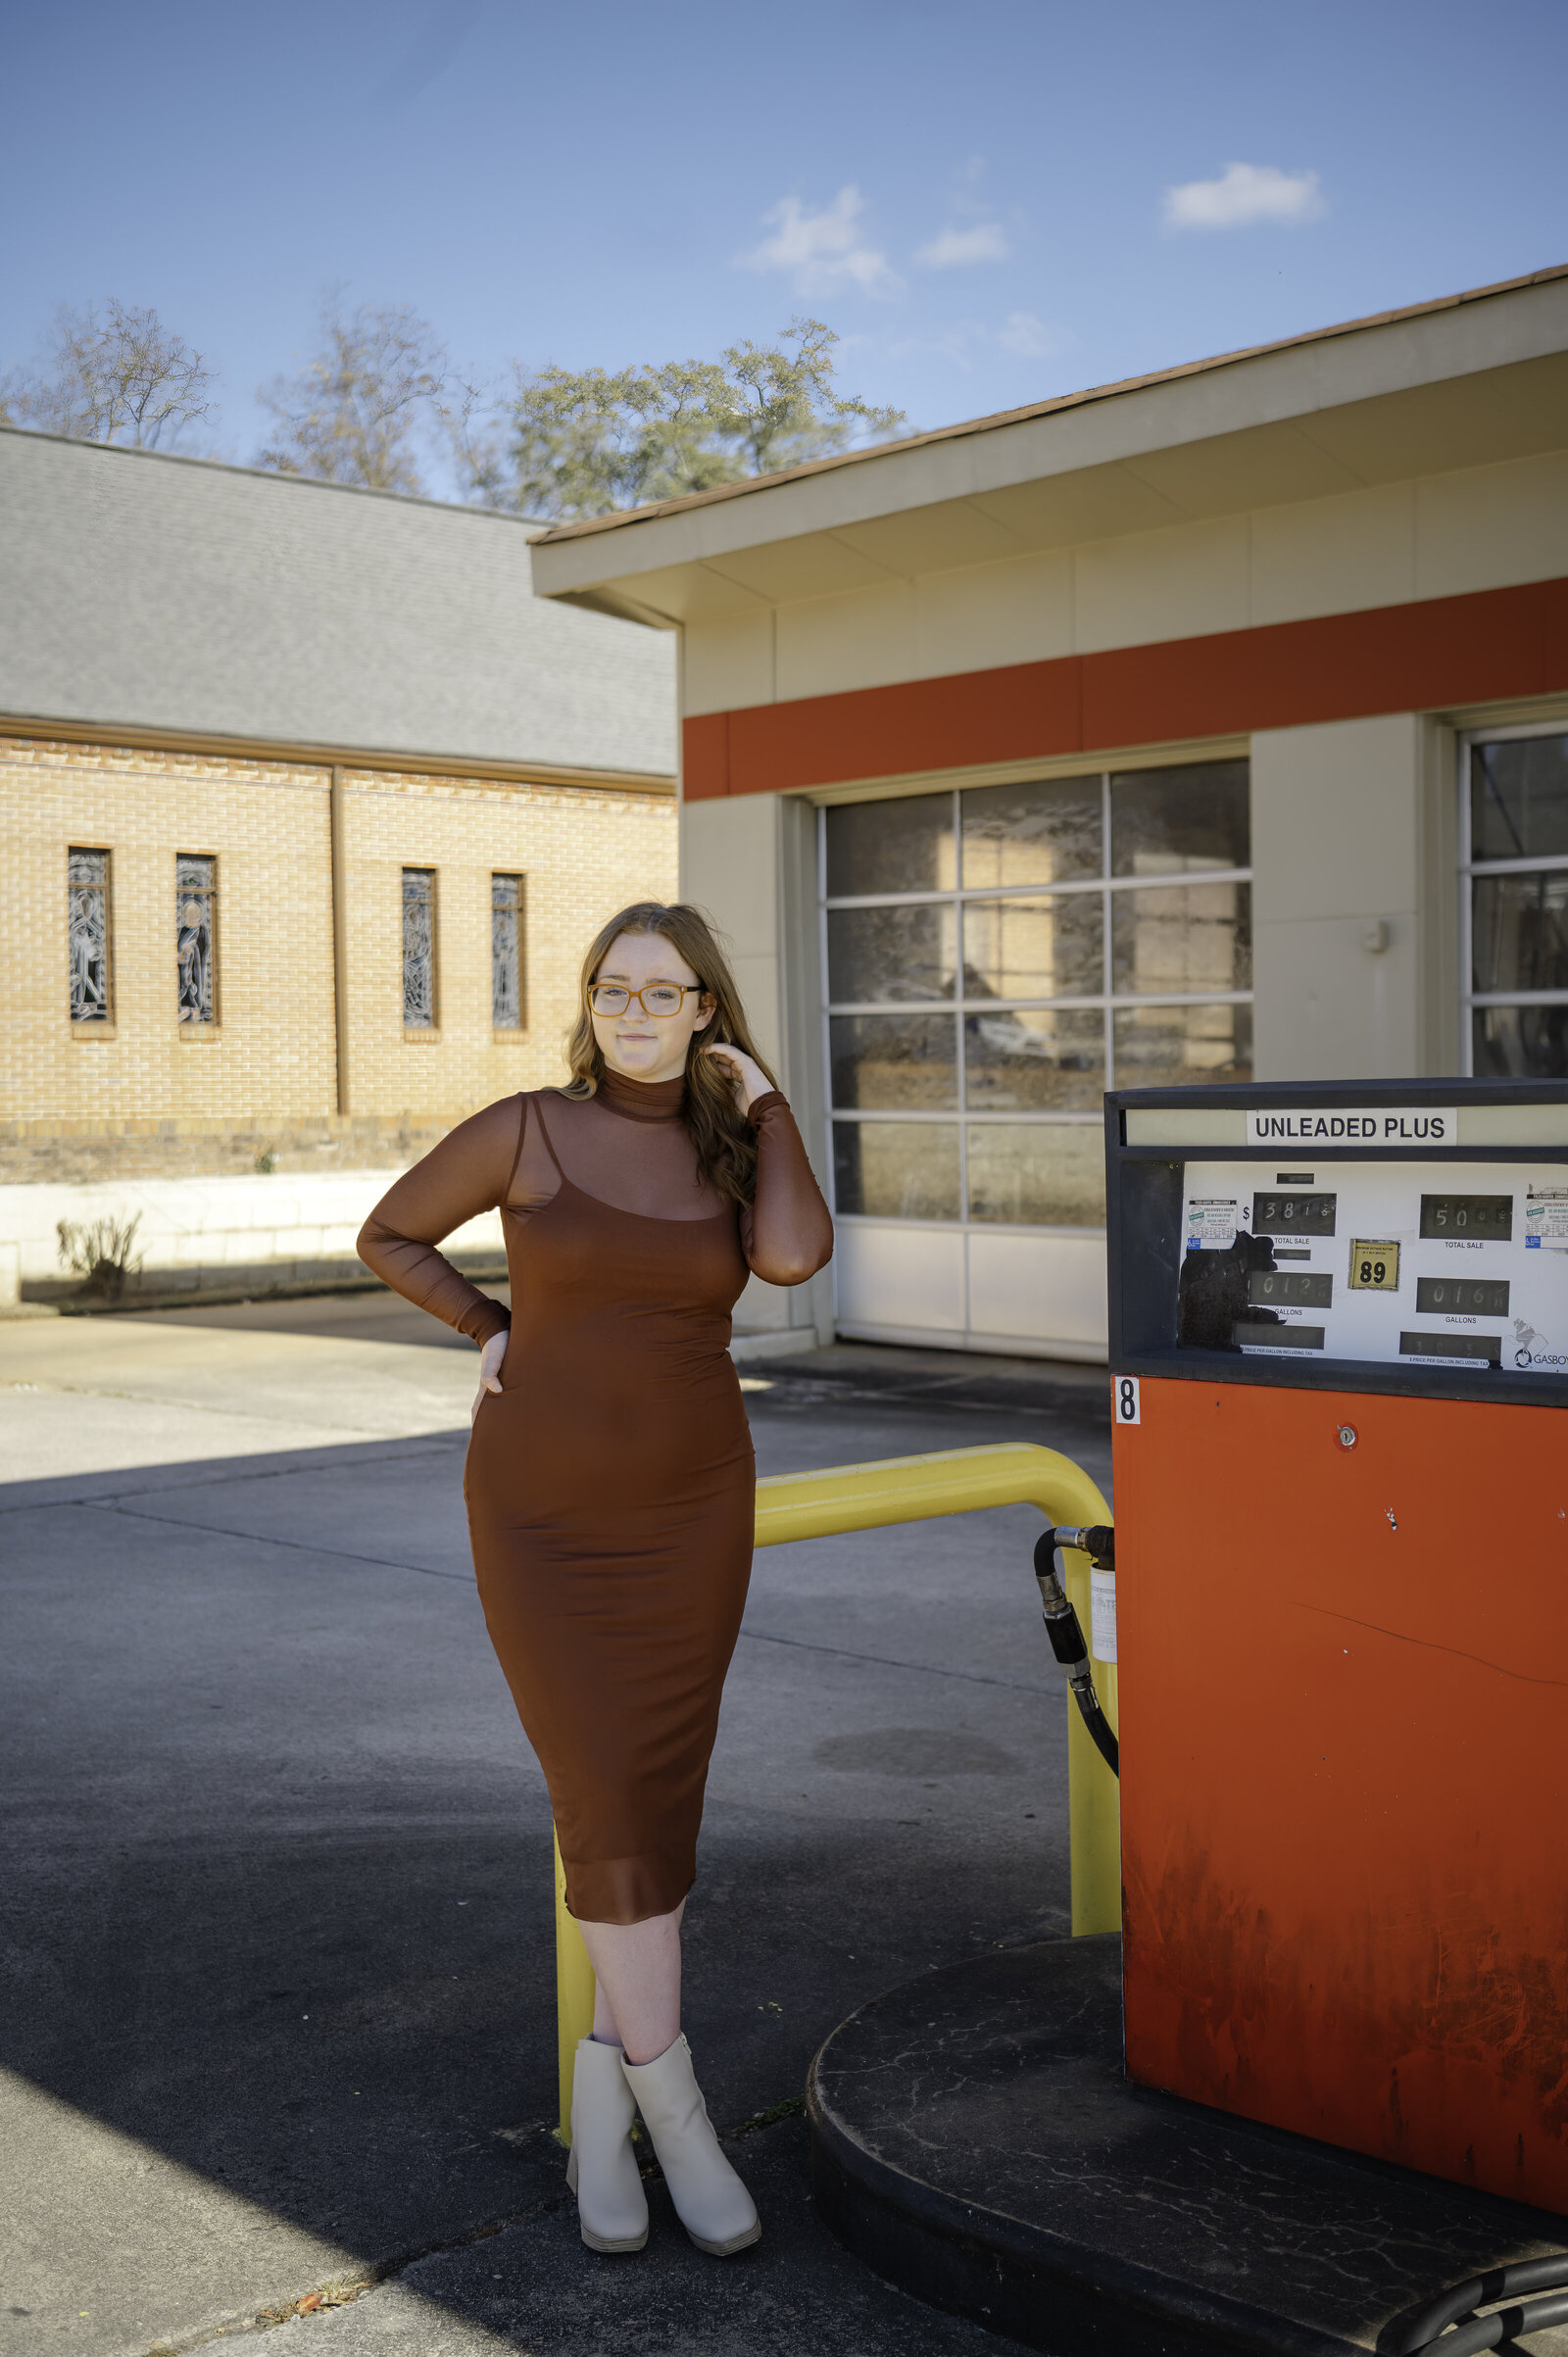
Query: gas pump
1339	1338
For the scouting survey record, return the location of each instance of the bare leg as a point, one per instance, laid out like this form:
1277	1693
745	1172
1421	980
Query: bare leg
637	1971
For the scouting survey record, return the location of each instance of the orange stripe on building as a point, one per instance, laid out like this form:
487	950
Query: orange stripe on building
1431	654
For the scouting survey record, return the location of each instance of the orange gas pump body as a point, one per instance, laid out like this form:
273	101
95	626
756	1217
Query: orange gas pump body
1344	1684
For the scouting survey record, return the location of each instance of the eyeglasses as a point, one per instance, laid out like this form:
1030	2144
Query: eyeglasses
657	998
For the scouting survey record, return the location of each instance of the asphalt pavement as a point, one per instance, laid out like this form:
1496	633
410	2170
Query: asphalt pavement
279	2023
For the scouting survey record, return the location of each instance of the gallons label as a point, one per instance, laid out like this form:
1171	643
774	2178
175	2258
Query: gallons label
1102	1615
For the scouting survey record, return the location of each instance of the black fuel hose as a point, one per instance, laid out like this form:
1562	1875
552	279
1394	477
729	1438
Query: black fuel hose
1065	1635
1426	2334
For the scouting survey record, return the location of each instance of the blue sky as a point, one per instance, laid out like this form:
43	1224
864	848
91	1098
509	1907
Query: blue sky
989	203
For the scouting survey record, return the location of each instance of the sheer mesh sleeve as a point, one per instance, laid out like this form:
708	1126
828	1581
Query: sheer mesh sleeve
466	1174
786	1234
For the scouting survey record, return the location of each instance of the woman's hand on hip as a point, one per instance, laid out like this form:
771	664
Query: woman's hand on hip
490	1358
744	1073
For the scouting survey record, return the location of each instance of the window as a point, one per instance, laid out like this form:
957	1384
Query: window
998	957
195	936
89	938
418	949
506	953
1513	831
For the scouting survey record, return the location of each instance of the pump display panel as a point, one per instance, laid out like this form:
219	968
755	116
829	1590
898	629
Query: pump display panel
1386	1261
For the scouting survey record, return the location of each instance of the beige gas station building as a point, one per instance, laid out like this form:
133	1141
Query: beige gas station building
1204	727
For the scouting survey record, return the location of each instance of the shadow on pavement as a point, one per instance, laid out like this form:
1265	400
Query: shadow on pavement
279	1858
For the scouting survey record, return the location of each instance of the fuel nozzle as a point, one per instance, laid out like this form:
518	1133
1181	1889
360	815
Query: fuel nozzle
1099	1543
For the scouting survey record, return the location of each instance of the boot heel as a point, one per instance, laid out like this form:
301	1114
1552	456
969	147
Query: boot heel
710	2198
725	2250
605	2242
602	2169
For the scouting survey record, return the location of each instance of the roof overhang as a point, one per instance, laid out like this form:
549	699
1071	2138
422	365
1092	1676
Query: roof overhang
1469	382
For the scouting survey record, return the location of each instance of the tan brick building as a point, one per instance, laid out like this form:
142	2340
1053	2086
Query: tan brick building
307	810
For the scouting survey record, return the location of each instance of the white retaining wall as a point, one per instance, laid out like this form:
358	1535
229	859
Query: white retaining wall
288	1227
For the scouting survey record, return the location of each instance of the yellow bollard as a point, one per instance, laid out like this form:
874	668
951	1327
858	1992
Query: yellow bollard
574	1994
1094	1794
873	1497
913	1489
959	1481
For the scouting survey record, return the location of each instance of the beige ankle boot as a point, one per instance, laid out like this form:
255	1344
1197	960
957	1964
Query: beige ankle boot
712	2203
602	2171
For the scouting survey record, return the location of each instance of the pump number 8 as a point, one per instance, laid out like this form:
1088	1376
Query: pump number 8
1125	1395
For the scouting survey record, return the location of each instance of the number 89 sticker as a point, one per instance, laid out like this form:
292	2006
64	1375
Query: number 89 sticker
1124	1399
1374	1266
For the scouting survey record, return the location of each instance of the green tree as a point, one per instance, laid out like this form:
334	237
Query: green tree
782	410
356	411
571	443
116	375
580	442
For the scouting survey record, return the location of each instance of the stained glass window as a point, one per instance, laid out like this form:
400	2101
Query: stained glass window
88	936
418	949
195	936
506	953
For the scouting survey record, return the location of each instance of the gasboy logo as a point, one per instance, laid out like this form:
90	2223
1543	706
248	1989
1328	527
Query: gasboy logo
1524	1336
1371	1125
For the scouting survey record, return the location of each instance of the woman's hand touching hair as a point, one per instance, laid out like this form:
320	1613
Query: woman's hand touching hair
747	1081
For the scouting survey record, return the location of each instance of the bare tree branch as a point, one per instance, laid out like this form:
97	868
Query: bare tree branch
467	419
352	415
115	376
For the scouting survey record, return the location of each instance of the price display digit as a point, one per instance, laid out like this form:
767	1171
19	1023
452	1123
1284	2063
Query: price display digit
1250	1336
1290	1289
1462	1297
1281	1213
1468	1218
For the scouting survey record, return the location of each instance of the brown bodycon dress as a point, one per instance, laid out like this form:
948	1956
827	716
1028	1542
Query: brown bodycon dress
611	1483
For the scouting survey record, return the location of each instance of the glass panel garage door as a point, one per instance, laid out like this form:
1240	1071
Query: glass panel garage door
995	959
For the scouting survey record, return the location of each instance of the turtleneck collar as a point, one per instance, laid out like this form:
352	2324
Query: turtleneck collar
642	1100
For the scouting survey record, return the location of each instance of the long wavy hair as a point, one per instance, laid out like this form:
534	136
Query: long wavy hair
726	1147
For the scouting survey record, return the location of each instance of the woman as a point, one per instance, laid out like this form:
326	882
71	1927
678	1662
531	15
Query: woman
610	1481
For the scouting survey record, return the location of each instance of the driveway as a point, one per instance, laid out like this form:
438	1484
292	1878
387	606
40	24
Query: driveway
279	1951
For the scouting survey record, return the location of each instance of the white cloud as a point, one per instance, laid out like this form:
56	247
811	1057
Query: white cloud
824	250
1031	337
1243	193
970	342
955	346
954	249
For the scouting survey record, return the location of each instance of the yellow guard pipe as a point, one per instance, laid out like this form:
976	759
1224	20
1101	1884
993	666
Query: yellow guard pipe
868	1497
